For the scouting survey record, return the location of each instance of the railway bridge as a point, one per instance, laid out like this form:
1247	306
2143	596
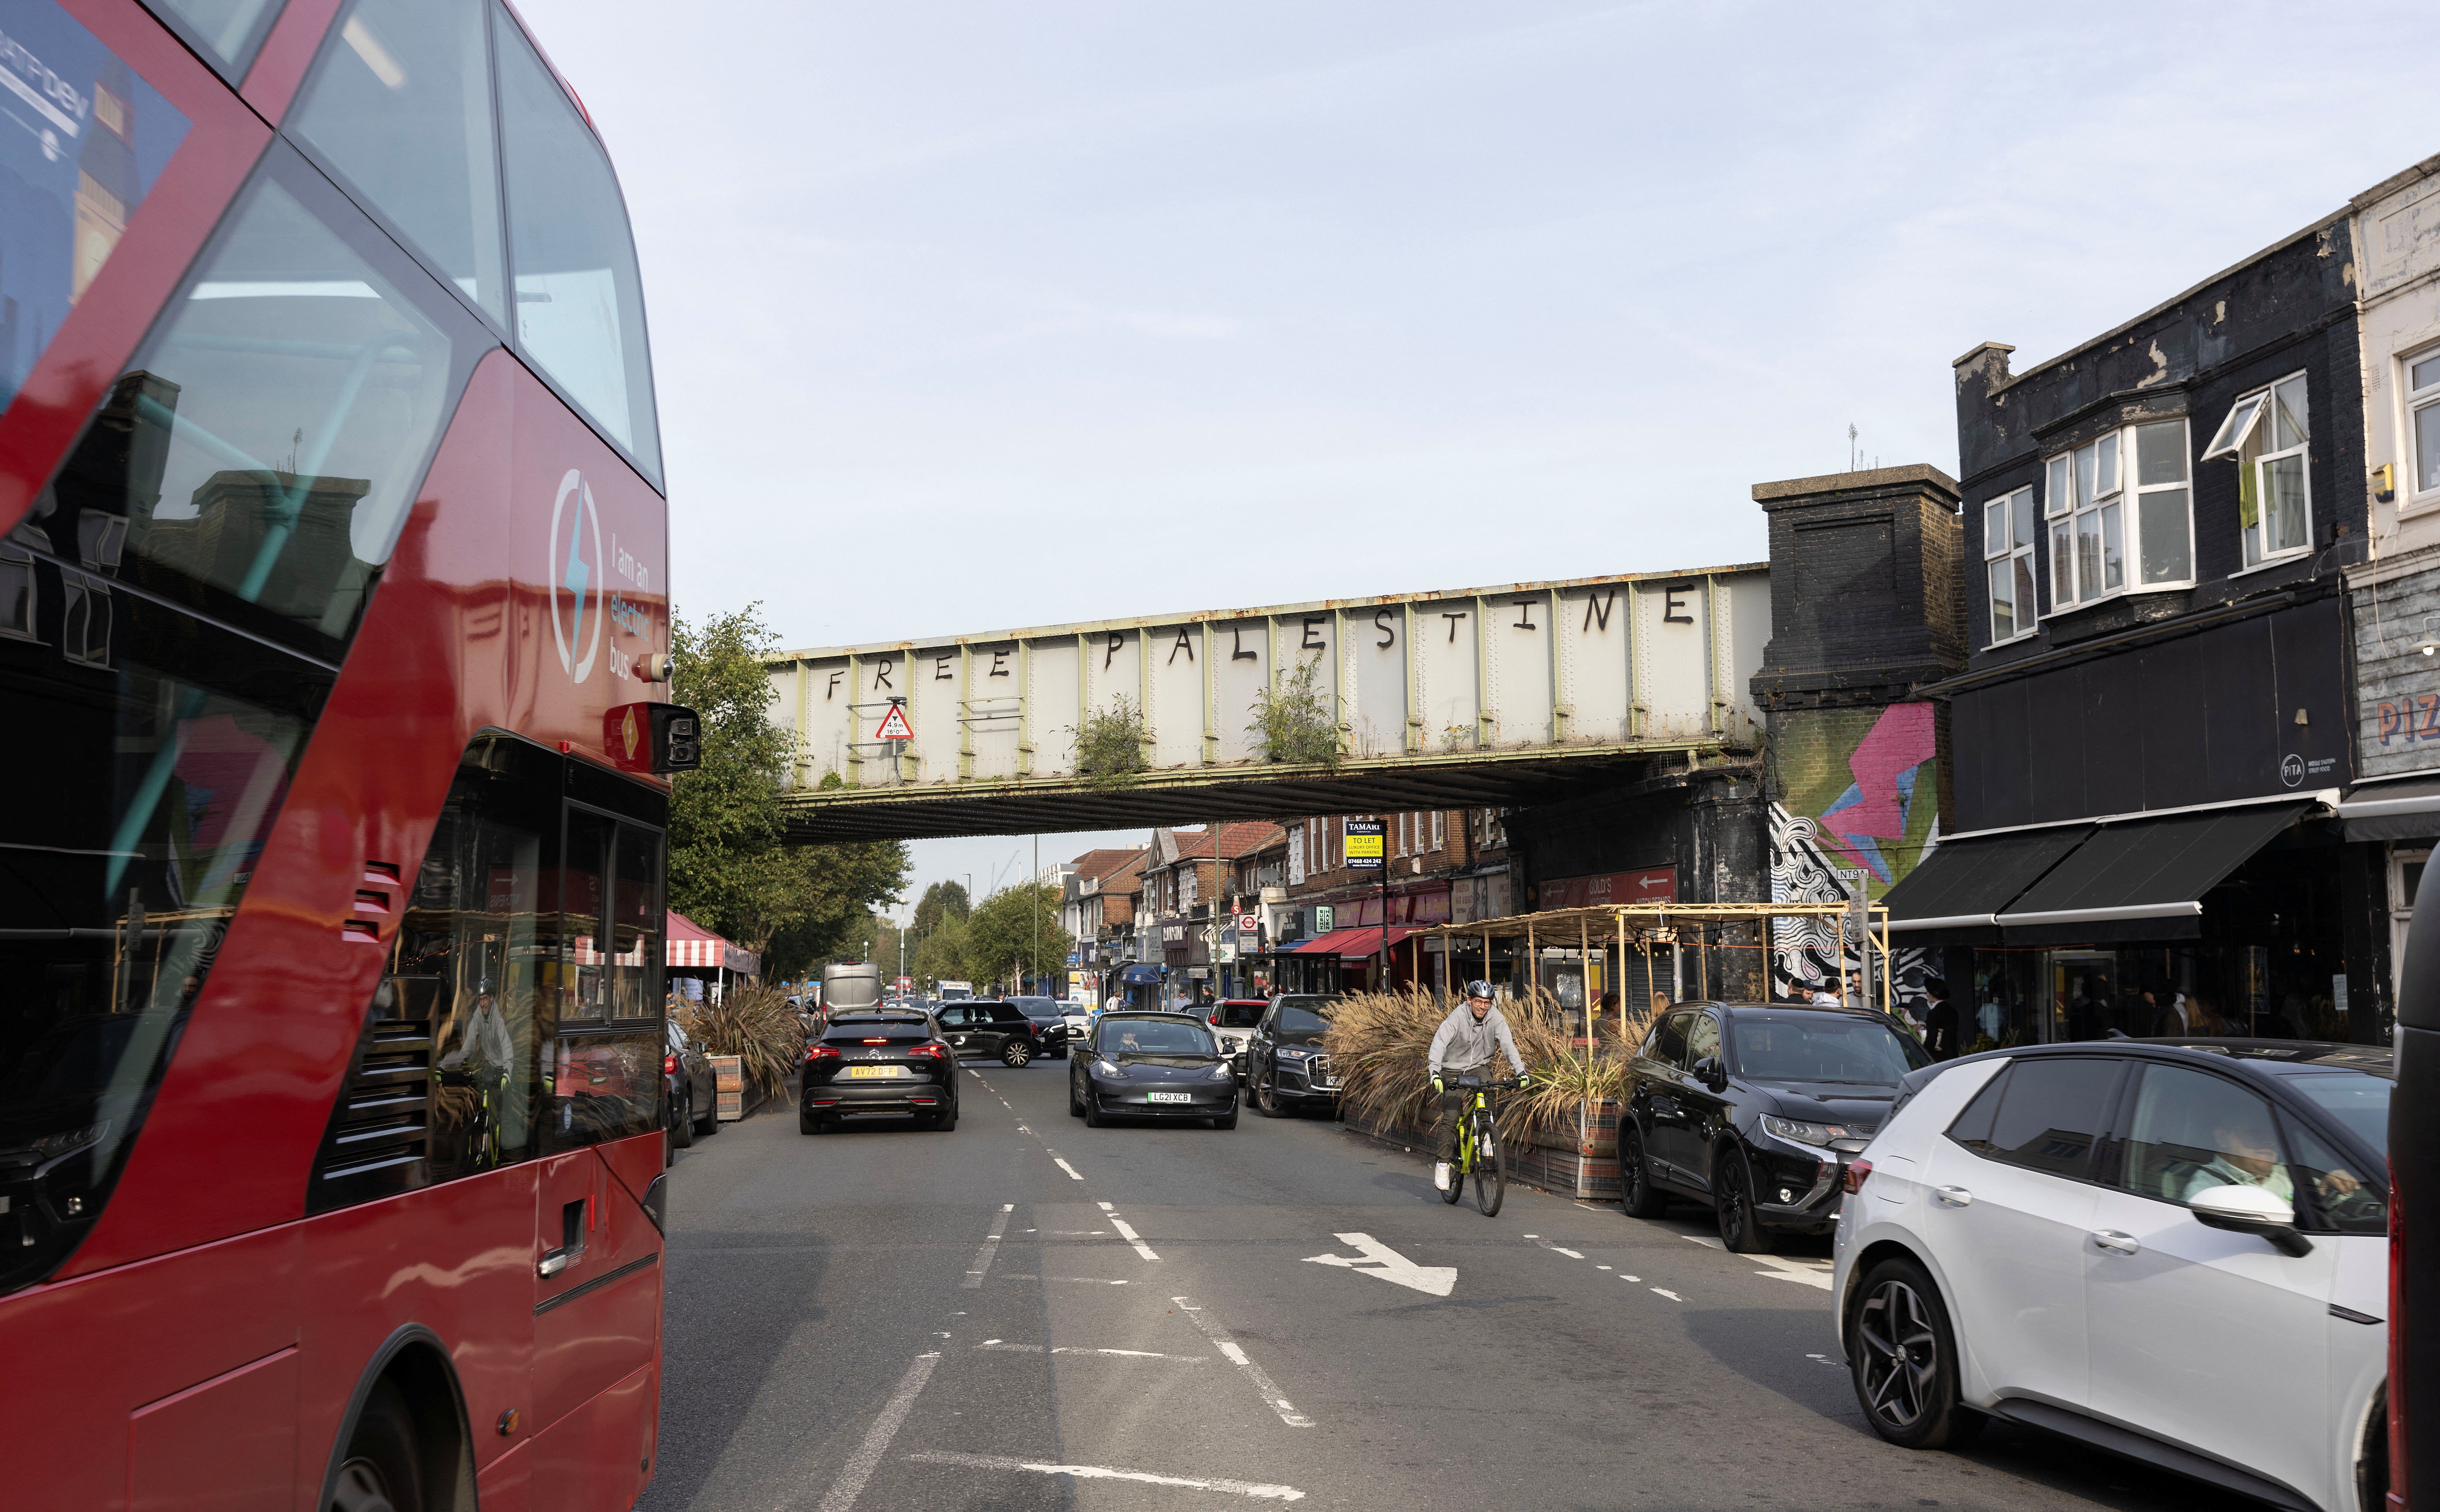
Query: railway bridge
1471	697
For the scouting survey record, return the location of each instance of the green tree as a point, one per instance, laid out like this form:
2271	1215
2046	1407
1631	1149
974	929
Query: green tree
940	956
729	868
942	902
1001	937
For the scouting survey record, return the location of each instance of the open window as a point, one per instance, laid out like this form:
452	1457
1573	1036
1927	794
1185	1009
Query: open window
2266	432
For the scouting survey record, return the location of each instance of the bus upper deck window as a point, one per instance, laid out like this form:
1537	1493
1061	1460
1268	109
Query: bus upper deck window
579	304
401	106
227	33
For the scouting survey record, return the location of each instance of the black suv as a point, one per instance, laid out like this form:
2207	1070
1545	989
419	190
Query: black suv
994	1027
878	1063
1050	1018
1286	1070
1756	1108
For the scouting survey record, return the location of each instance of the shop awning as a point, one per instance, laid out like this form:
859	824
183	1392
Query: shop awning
2142	879
1955	894
1360	940
691	946
1363	942
2408	809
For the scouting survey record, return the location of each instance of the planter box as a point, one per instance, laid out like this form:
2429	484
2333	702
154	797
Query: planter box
728	1086
1589	1169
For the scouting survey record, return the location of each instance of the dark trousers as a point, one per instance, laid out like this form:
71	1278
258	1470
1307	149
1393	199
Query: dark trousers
1444	1117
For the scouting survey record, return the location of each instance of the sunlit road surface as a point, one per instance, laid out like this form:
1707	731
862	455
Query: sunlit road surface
1028	1313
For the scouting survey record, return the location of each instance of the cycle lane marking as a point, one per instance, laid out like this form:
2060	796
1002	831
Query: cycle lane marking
1103	1472
1237	1356
1125	1232
860	1466
991	1247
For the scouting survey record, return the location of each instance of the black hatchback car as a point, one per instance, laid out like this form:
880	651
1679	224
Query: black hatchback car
1154	1066
995	1028
1755	1108
878	1063
1286	1069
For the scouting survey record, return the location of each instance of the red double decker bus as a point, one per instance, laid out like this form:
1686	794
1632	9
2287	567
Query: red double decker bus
332	569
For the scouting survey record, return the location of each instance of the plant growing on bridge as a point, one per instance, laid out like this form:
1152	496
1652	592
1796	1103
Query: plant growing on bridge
1110	743
1292	720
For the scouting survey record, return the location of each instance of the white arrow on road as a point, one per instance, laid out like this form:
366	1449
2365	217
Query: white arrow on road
1378	1259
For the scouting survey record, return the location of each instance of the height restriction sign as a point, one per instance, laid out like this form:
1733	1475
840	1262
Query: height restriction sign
894	725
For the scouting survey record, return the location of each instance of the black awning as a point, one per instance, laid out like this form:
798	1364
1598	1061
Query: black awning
2407	810
2143	879
1954	895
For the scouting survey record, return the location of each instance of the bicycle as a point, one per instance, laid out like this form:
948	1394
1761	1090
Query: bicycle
1478	1143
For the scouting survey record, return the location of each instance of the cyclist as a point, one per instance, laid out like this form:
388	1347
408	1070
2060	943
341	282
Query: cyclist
1462	1046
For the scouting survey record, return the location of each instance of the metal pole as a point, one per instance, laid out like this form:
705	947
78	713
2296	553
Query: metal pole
1036	905
1385	922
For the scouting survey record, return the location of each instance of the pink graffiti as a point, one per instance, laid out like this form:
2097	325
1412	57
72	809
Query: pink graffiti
1902	740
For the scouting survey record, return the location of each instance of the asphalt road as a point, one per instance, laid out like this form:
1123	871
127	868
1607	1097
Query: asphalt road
1028	1313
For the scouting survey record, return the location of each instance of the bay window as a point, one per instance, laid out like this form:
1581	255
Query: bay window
2095	504
2009	537
2266	432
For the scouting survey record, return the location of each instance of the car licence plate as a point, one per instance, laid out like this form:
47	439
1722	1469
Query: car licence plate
1169	1097
861	1071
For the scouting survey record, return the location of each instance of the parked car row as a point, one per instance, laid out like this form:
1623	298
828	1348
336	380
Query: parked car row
2173	1250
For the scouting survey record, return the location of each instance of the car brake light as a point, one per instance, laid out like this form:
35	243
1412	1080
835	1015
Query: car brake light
669	1065
1854	1180
816	1052
876	1042
935	1052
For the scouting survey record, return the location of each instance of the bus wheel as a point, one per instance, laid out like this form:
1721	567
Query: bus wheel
379	1473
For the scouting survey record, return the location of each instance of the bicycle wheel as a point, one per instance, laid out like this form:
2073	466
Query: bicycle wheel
1456	1163
1490	1170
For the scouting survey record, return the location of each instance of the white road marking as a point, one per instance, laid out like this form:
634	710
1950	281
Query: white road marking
1129	1234
1834	1364
1623	1276
990	1247
1064	1166
1238	1358
1704	1239
1596	1268
1803	1272
1671	1295
1553	1248
1378	1259
866	1458
1074	1349
1098	1472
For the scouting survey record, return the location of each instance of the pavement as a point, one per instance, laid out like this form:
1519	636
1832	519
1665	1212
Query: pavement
1027	1313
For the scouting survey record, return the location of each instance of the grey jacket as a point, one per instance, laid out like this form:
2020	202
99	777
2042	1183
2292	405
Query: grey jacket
1461	1044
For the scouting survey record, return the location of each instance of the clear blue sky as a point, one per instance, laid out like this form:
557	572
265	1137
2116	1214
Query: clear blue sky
980	315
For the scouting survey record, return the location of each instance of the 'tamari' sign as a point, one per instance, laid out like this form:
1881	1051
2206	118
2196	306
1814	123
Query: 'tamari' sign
1364	844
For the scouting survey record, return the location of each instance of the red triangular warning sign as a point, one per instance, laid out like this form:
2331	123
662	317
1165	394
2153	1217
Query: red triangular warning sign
894	725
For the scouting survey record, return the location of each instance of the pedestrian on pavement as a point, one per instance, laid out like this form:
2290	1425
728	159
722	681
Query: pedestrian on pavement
1462	1046
2204	1017
1825	998
1939	1021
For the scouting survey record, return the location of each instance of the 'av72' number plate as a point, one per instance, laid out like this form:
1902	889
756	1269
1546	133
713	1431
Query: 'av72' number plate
859	1073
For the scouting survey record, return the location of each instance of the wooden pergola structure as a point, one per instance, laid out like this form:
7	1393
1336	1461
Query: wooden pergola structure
1646	925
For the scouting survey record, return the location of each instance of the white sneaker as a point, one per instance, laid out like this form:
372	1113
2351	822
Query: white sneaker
1439	1175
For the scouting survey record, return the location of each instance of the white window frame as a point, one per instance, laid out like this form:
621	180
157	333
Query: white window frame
2246	417
2414	400
2093	490
2024	617
1440	830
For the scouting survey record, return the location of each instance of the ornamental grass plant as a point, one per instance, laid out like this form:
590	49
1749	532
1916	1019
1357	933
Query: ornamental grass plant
756	1025
1378	1044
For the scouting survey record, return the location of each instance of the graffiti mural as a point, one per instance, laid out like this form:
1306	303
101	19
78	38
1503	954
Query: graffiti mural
1811	954
1869	780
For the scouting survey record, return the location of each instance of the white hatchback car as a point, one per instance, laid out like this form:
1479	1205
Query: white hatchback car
2175	1250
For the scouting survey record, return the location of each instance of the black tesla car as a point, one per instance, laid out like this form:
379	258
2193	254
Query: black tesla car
878	1063
1755	1108
1152	1066
1286	1069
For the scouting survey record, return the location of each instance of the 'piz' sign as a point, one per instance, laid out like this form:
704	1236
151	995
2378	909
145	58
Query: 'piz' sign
1653	884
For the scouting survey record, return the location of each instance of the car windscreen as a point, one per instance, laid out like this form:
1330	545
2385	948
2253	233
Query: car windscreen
1239	1015
1141	1037
1296	1019
1822	1048
1037	1007
2357	1102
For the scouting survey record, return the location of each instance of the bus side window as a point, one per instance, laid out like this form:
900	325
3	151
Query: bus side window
606	1070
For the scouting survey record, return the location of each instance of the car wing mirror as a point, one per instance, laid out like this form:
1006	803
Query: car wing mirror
1710	1072
2251	1209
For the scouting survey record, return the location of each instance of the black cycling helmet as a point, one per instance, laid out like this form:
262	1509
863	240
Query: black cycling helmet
1479	989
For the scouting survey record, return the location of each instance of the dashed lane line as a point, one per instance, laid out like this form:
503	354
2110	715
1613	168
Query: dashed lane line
991	1247
1667	1292
1127	1234
1072	1174
1103	1472
1238	1358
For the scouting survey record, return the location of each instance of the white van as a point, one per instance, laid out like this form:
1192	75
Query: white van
952	991
847	985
